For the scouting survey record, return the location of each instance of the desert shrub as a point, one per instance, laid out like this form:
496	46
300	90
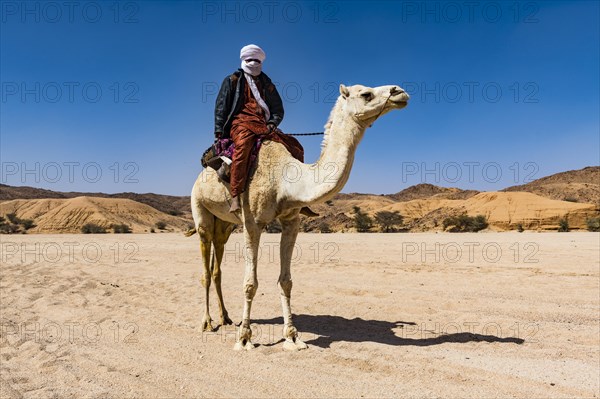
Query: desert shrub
121	228
465	223
15	224
593	224
175	212
152	230
324	227
388	221
9	228
27	224
160	225
563	225
91	228
329	202
520	228
305	227
571	199
12	217
362	221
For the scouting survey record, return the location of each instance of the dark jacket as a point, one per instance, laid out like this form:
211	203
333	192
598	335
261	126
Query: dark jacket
230	101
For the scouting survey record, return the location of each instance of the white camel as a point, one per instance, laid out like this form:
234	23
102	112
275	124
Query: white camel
279	188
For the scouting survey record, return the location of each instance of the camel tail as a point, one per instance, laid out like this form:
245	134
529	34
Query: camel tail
190	232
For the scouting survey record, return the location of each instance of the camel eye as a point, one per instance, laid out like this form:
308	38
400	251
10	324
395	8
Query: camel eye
368	96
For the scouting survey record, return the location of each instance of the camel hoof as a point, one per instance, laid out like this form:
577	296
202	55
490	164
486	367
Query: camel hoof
207	326
243	345
294	345
225	320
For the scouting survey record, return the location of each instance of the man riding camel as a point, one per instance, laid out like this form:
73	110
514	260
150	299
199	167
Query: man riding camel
248	107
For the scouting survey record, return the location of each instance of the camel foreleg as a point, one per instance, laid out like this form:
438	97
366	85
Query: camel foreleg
288	240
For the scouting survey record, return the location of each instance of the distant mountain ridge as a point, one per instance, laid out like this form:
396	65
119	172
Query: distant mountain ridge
170	204
582	185
575	195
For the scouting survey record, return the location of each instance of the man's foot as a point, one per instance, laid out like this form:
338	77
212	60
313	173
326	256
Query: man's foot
306	211
235	204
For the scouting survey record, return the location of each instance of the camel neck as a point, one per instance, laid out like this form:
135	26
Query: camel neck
322	180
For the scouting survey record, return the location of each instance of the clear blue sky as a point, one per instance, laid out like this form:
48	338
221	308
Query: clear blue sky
129	87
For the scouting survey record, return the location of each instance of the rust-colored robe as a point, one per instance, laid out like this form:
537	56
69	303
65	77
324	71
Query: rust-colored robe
246	127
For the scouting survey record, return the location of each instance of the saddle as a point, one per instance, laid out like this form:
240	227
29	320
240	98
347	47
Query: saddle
219	157
220	154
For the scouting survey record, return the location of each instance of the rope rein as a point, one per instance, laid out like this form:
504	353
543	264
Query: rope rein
306	134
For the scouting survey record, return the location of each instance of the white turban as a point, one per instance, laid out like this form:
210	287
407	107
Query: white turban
251	52
254	68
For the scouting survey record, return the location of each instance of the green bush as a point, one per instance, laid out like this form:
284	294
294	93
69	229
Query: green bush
7	228
12	217
465	224
91	228
593	224
121	228
324	227
388	221
161	225
362	221
563	225
520	228
27	224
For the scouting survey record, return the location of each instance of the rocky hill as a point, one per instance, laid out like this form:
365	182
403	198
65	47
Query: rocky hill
581	185
170	204
539	205
69	215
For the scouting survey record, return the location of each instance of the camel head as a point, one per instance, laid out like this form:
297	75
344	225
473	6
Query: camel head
366	104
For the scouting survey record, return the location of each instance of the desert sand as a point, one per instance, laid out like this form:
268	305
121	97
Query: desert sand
384	315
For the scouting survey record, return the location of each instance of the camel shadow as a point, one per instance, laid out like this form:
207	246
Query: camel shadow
323	330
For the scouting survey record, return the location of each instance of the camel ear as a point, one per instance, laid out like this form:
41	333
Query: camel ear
344	91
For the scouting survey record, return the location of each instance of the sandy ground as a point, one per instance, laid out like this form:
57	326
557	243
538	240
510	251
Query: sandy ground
403	315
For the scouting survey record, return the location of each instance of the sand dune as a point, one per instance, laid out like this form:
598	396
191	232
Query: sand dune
504	210
70	214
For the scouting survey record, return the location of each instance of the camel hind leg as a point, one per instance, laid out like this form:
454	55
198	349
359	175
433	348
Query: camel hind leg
221	235
205	225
